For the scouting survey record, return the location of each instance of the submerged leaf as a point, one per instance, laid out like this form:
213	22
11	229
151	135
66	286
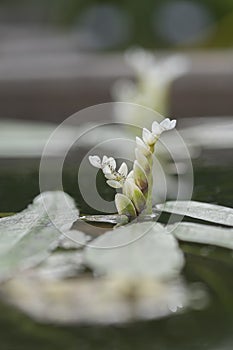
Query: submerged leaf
136	250
199	210
197	233
27	238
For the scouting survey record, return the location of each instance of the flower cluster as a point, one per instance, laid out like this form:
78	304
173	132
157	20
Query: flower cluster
115	179
136	196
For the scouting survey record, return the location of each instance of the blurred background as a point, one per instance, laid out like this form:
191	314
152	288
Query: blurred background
174	56
59	56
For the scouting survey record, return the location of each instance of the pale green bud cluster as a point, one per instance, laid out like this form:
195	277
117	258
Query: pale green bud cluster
136	196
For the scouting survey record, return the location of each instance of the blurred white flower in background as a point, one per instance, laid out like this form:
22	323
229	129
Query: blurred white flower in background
153	78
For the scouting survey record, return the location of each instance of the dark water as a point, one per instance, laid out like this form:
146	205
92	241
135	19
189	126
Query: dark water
206	328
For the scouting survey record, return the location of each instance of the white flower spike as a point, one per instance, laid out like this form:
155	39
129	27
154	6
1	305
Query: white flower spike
136	196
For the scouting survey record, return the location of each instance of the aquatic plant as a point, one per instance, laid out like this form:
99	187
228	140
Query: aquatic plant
136	185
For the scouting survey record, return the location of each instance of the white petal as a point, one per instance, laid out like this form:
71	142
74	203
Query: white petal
142	160
123	170
111	163
110	176
142	146
106	170
114	184
95	161
130	175
148	137
105	159
156	128
168	124
173	123
140	143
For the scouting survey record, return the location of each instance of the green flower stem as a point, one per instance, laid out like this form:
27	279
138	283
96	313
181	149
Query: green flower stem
148	208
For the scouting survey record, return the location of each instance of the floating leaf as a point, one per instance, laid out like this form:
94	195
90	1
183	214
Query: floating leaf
136	250
26	238
94	301
59	265
199	210
73	239
197	233
109	218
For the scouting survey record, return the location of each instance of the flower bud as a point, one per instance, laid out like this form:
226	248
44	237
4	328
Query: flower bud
140	177
144	149
133	192
124	205
143	161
